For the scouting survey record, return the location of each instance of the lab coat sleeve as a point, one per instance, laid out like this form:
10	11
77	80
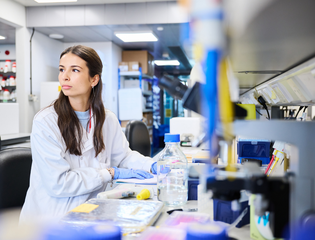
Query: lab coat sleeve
55	171
122	156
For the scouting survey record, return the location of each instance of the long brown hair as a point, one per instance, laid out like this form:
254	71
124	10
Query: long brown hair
68	121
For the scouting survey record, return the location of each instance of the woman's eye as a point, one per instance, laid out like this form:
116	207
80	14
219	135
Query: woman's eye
61	70
76	70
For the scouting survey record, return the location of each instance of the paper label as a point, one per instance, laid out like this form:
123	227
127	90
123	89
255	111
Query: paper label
85	208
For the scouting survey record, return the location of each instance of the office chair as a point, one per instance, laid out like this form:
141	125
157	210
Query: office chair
138	137
15	167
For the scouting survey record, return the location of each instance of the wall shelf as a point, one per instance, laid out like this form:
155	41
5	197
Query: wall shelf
133	74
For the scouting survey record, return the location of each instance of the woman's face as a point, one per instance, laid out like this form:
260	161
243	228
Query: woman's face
74	77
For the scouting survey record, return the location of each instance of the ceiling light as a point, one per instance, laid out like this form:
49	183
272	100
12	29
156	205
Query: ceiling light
167	62
160	28
137	36
54	1
2	37
56	36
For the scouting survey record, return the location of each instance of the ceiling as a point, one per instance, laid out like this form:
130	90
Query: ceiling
8	32
170	36
83	2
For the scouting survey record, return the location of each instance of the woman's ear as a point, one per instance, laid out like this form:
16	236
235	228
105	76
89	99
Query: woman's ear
95	80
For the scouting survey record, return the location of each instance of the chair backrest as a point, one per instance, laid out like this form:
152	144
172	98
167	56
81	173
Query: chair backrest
138	137
15	167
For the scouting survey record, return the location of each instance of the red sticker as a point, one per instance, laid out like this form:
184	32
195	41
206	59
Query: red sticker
7	52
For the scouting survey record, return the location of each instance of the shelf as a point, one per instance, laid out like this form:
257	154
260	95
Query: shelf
9	101
8	73
135	74
147	110
10	88
147	93
292	88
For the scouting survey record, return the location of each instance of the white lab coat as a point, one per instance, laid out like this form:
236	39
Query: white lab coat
61	181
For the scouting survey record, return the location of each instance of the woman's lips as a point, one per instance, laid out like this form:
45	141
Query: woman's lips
66	87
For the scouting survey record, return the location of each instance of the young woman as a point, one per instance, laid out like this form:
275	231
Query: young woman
77	145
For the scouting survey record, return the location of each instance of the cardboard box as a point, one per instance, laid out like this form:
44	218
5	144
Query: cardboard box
133	66
144	58
123	124
123	66
148	118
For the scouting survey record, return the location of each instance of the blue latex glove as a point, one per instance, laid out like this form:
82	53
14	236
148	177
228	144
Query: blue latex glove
163	170
123	173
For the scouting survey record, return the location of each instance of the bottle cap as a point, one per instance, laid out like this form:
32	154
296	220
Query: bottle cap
168	137
144	194
207	231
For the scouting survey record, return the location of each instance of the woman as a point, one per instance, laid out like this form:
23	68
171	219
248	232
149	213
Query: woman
77	146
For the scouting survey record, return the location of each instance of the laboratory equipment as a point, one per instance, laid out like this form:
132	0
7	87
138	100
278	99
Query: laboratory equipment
129	215
172	173
125	190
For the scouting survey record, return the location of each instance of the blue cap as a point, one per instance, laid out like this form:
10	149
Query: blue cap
207	231
168	137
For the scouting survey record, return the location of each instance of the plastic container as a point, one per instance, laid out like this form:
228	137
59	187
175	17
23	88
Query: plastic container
193	188
93	232
7	66
210	231
172	173
12	81
14	67
3	82
6	95
255	149
222	212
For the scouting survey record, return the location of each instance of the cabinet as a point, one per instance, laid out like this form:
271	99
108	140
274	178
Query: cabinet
7	82
135	98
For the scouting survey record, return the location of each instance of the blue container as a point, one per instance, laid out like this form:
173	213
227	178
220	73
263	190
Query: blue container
193	189
222	212
254	149
208	231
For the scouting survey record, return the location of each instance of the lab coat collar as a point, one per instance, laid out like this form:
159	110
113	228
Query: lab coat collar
87	138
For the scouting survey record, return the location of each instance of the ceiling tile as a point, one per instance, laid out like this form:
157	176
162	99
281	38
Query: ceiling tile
94	14
74	16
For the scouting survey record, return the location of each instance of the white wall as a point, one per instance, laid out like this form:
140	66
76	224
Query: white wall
110	55
12	13
45	60
9	47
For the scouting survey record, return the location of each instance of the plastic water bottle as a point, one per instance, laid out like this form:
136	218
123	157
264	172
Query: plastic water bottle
172	173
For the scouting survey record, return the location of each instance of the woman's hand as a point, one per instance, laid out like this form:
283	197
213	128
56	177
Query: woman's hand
162	168
123	173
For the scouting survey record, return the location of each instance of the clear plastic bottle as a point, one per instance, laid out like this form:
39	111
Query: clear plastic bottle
172	173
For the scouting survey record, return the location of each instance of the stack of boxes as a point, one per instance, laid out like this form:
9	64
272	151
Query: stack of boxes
131	62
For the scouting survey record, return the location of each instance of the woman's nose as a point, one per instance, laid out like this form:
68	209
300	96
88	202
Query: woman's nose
65	76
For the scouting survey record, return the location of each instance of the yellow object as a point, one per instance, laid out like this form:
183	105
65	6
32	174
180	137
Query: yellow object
85	208
251	111
144	194
226	110
59	88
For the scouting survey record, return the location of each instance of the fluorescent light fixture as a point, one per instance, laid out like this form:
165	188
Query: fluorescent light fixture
54	1
2	37
137	36
56	36
166	62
